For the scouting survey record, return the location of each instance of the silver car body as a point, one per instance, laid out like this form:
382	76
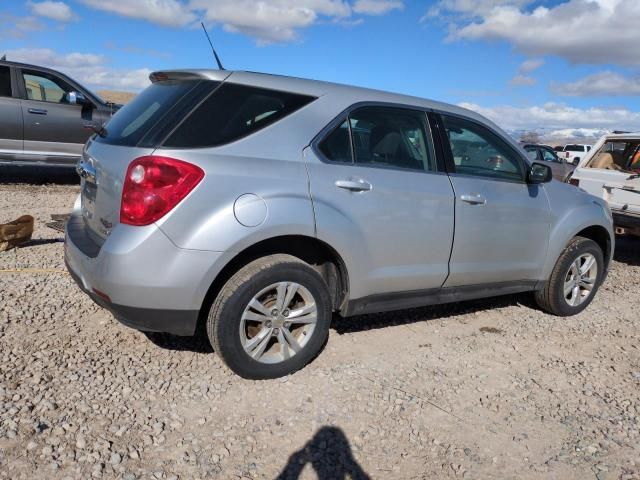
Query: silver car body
406	241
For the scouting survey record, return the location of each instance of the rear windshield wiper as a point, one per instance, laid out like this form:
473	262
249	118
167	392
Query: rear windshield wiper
97	129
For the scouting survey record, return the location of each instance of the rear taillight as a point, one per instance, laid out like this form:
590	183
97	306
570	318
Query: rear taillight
153	186
574	181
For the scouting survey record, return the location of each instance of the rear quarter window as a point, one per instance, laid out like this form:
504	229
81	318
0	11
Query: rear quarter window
231	112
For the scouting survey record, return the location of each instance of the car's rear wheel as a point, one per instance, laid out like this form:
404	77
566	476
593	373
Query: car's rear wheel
271	317
575	279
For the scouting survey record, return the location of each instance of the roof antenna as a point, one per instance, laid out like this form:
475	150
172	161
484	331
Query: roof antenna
220	67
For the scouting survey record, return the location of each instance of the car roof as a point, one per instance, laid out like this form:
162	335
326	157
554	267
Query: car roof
318	88
9	63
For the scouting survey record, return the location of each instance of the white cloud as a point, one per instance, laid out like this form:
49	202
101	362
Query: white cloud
376	7
558	116
605	83
267	21
59	11
12	26
169	13
522	78
531	65
522	81
470	8
581	31
87	68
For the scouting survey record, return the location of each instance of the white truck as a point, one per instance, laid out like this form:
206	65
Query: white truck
573	152
612	171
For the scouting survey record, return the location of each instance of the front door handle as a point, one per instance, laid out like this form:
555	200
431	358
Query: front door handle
38	111
473	199
354	185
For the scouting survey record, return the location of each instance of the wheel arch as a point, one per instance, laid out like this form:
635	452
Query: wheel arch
601	236
320	255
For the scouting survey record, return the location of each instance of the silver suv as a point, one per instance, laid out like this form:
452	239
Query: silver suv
256	206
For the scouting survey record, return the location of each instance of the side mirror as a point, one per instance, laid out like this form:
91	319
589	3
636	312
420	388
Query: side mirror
575	162
539	173
78	98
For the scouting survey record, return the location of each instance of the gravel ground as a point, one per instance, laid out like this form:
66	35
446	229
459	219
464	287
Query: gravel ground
487	389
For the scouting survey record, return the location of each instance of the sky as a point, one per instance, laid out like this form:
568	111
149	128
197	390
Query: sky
558	67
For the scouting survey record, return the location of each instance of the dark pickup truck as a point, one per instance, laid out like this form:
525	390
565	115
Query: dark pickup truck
45	116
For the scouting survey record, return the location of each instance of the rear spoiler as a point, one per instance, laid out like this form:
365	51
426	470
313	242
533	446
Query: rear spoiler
164	75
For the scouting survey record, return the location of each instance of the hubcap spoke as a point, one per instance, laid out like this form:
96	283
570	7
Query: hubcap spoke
568	288
586	266
291	340
292	288
300	312
256	346
259	307
255	317
282	292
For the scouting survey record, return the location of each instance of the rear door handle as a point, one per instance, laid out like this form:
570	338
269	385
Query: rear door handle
354	185
38	111
473	199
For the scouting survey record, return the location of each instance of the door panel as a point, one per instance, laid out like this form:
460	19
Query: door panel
502	223
505	239
10	117
394	237
51	124
10	124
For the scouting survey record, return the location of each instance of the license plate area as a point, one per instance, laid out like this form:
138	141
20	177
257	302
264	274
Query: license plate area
88	200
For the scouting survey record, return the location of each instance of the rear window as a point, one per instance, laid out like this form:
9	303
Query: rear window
574	148
137	118
234	111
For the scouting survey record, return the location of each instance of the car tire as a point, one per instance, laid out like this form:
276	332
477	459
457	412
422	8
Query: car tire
574	281
259	328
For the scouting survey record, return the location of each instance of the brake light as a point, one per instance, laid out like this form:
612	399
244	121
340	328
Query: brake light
153	186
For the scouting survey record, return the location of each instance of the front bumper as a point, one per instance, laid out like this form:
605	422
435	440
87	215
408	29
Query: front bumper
140	276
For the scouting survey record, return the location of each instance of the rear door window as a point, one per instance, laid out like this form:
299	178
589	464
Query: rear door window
138	117
232	112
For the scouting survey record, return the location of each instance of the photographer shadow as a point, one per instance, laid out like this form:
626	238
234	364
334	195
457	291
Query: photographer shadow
329	454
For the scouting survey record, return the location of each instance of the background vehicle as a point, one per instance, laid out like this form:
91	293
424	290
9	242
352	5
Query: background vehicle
573	153
544	153
259	205
612	171
43	116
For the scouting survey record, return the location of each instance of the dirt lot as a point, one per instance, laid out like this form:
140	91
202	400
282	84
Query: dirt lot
489	389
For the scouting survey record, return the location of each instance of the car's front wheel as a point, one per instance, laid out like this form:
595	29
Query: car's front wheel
575	279
271	317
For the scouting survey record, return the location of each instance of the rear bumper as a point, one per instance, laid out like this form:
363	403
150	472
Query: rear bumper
630	222
177	322
141	277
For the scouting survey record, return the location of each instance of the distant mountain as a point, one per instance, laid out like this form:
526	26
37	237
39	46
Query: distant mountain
115	97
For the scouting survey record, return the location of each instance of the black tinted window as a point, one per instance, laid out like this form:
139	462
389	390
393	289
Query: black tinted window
232	112
336	146
574	148
391	136
5	82
133	121
478	151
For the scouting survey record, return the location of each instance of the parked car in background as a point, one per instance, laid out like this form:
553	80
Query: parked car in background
612	171
544	153
44	116
573	153
260	205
